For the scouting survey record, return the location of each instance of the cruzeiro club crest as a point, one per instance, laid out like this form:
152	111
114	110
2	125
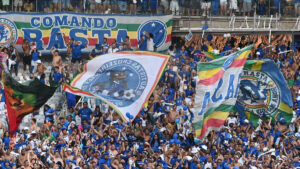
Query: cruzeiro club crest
8	32
258	93
120	81
157	28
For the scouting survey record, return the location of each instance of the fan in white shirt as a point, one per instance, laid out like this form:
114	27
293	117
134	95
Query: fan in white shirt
231	119
150	42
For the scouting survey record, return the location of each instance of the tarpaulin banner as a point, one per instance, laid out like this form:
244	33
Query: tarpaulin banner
47	30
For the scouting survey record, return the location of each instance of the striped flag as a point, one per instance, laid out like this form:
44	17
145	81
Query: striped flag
217	90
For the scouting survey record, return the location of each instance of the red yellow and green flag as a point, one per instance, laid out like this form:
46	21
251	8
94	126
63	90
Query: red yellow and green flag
217	90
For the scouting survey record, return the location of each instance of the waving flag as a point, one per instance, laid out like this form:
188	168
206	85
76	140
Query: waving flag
23	99
124	80
264	92
212	56
217	90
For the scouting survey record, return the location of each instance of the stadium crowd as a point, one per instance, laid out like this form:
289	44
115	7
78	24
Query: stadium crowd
176	7
91	135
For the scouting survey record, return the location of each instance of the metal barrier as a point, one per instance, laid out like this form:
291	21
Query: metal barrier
182	24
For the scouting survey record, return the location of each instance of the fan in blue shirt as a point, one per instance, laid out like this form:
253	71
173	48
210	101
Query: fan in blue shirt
85	112
57	77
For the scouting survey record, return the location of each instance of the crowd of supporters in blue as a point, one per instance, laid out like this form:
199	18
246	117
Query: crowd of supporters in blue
90	135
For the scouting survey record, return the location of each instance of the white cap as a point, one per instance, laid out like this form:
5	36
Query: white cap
26	128
38	61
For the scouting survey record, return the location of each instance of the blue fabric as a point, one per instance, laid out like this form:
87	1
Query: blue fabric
76	51
71	100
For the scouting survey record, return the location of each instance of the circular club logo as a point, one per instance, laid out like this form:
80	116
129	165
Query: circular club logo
8	32
258	93
157	28
120	81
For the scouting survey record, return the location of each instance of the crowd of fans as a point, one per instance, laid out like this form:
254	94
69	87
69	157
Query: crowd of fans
91	135
175	7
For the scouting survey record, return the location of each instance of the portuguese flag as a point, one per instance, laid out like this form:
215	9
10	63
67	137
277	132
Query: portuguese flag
23	99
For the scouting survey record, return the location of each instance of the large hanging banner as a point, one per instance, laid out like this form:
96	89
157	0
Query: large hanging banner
47	30
124	80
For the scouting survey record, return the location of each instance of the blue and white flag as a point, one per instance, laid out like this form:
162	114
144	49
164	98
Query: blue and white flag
124	80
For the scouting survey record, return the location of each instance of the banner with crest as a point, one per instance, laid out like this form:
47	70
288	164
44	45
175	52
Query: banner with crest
124	80
48	29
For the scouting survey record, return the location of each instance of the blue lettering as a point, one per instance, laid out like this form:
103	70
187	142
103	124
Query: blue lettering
98	23
47	21
37	37
56	39
122	33
33	23
111	23
237	86
86	23
101	34
61	21
214	97
230	90
74	21
73	35
205	103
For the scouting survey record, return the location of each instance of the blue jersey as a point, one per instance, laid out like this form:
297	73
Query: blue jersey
57	76
35	56
76	51
85	113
